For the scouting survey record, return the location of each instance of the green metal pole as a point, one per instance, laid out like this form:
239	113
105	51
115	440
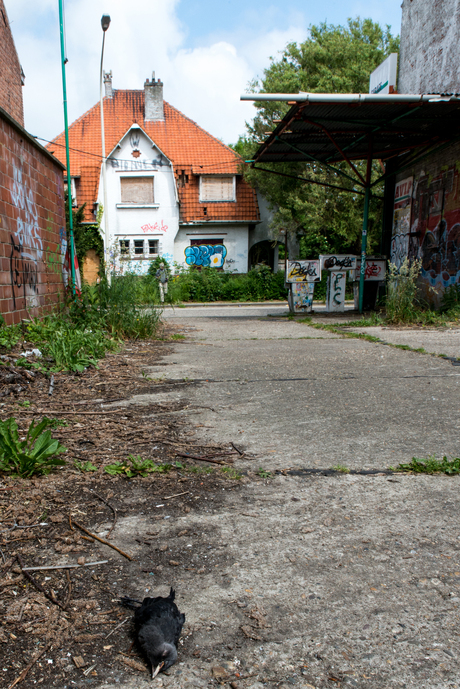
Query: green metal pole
367	198
67	153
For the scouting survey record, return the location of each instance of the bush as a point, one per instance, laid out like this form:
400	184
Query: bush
208	284
402	303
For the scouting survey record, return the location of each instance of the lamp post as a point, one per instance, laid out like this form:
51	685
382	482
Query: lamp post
67	150
105	23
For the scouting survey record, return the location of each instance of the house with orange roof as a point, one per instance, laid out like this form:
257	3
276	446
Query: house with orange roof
173	190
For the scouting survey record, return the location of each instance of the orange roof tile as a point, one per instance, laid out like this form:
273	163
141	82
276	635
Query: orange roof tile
186	144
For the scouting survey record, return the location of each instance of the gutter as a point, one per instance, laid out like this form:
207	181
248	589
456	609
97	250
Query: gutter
348	97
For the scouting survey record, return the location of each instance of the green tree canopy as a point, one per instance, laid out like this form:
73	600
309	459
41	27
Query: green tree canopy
333	59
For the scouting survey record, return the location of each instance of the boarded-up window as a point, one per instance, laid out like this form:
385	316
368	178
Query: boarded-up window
217	188
137	190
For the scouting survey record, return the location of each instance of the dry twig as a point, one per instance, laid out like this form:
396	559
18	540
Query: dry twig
112	508
38	586
102	540
28	667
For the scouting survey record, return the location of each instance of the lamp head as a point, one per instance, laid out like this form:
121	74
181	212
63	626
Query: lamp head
105	22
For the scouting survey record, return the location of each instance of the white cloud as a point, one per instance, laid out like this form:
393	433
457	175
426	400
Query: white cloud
204	83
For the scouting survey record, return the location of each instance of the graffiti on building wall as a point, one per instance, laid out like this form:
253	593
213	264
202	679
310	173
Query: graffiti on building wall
206	255
432	228
26	245
157	227
401	221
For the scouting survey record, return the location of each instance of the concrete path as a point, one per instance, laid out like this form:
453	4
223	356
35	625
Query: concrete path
343	581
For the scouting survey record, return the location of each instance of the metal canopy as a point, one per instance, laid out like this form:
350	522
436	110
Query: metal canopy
326	128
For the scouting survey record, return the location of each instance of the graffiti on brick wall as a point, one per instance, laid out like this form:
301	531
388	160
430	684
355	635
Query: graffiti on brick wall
206	255
26	245
431	229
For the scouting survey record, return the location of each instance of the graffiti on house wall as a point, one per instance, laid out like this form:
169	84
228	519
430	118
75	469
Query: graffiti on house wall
154	228
433	218
206	255
26	245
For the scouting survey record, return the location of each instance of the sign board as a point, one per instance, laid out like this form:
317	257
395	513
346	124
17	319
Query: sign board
301	297
375	270
383	79
303	271
338	262
337	280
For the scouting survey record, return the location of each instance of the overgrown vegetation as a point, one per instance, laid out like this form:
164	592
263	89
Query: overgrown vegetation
431	465
36	454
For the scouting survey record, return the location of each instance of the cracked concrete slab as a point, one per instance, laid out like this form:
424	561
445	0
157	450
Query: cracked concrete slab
320	581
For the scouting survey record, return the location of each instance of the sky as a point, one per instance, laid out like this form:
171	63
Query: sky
205	51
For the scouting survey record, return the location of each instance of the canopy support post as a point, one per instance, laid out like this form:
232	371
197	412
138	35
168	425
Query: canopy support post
367	198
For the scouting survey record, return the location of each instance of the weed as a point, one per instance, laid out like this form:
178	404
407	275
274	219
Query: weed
231	473
341	468
136	466
431	465
24	403
84	466
37	454
199	470
263	473
177	336
9	335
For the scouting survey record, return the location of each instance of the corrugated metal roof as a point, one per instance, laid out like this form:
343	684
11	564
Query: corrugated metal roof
321	130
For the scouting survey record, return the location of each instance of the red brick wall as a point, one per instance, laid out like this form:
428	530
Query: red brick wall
10	71
31	224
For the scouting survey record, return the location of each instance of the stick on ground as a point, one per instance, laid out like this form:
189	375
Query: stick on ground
101	540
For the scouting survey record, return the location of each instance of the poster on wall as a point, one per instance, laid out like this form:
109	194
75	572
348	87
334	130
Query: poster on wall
401	220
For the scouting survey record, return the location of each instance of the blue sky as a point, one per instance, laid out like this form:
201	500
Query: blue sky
204	51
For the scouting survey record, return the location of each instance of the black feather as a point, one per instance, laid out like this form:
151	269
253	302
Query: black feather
158	625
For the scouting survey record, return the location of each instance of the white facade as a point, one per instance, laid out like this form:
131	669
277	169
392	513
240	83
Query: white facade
150	224
143	214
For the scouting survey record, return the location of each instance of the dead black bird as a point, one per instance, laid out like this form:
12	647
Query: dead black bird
158	626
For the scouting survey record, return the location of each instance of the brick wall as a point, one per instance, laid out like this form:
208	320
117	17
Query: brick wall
10	71
32	223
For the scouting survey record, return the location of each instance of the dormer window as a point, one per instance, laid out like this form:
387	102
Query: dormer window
217	188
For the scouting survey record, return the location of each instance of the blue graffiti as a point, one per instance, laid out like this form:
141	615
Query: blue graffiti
206	255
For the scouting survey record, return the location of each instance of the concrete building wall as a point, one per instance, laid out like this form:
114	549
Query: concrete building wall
10	71
234	239
429	60
428	227
32	222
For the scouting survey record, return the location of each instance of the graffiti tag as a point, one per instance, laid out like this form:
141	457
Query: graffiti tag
341	262
24	273
157	227
206	255
303	271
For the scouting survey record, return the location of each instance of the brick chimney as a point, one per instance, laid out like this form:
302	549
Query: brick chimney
153	100
108	84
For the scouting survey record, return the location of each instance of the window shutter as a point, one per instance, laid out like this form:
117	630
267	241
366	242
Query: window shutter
137	190
217	188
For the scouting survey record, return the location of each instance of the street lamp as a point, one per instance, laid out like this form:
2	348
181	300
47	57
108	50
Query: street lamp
105	23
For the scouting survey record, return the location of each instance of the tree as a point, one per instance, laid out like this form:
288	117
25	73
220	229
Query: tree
333	59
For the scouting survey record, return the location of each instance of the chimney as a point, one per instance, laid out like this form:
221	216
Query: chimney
153	100
108	84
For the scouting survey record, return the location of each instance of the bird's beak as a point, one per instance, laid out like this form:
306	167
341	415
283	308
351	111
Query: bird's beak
157	670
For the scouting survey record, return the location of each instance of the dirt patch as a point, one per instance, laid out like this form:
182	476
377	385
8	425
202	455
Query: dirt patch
55	620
